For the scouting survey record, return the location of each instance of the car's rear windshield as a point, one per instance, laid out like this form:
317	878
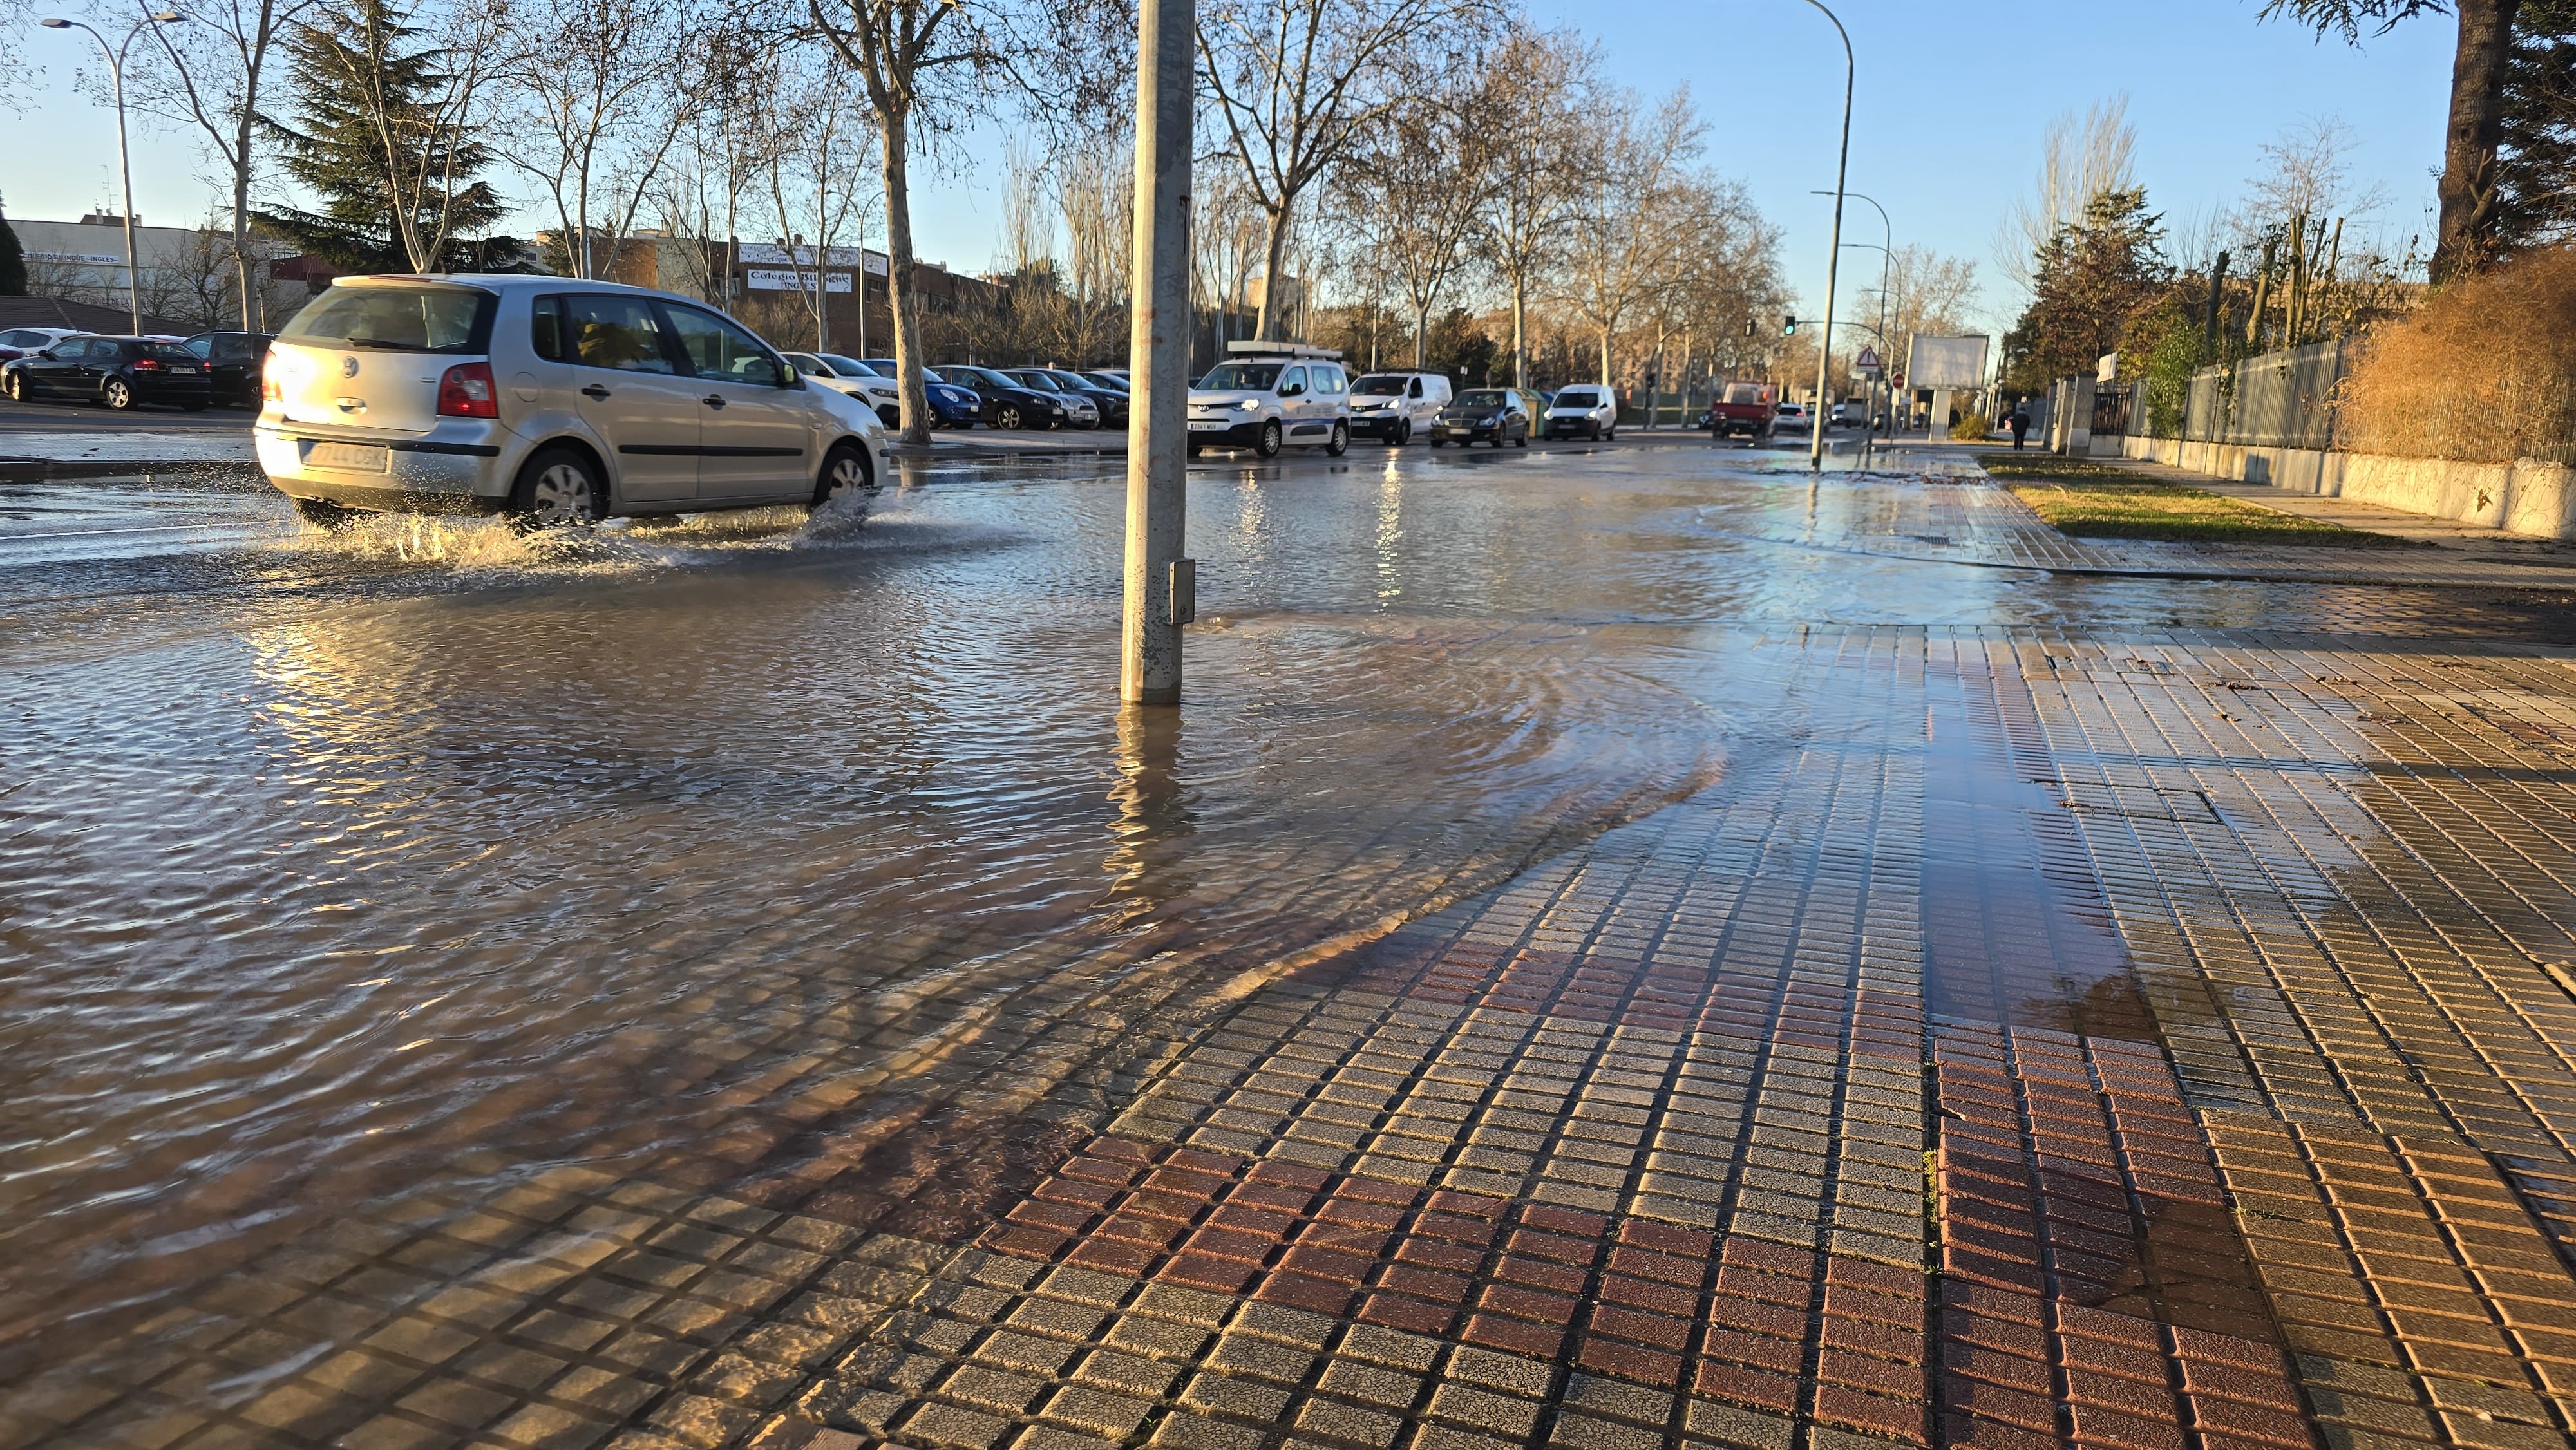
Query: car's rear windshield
398	319
160	351
1481	398
1379	387
1246	377
1740	393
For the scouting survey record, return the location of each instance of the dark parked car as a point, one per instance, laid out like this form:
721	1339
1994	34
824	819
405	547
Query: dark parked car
232	360
1112	402
1111	380
1495	415
1008	403
121	372
953	404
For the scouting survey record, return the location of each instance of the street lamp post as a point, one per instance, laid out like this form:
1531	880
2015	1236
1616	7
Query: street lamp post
1161	586
1886	257
125	171
1833	255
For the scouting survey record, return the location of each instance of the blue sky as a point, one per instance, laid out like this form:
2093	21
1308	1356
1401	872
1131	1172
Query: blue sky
1952	102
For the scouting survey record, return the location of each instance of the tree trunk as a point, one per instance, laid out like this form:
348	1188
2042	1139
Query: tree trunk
1265	330
907	322
1421	336
1520	331
1605	357
2469	183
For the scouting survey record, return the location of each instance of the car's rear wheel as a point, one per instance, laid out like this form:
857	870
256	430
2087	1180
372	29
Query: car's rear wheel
1521	442
1270	440
845	471
558	489
321	513
117	394
1341	443
1006	416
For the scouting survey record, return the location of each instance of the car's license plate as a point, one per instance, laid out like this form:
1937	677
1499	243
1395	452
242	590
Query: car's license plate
1207	425
355	457
185	372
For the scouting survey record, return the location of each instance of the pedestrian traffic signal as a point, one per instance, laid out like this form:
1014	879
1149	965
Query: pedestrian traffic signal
1789	325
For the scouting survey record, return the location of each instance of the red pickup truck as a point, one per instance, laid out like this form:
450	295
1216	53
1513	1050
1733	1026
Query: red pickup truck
1748	410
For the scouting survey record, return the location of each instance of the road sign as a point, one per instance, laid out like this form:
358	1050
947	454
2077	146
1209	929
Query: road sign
1867	361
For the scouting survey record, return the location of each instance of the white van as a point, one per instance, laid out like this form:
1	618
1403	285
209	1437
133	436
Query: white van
1588	410
1395	406
1270	395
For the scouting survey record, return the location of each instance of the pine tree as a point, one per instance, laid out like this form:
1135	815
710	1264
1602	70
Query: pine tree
13	263
2537	170
378	140
2091	278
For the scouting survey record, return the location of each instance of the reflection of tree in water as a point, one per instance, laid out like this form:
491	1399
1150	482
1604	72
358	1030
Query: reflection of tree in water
2096	1007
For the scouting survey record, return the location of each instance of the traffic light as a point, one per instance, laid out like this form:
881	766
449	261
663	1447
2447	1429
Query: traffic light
1789	325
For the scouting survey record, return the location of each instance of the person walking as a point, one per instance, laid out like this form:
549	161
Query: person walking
2020	426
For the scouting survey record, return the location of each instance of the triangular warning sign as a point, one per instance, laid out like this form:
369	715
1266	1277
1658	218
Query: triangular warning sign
1868	358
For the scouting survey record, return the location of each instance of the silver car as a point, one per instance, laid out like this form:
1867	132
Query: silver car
555	400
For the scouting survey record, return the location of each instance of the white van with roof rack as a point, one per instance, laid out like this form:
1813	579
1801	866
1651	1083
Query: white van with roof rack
1272	395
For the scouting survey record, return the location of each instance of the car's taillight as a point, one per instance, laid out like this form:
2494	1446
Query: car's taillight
146	365
467	392
270	389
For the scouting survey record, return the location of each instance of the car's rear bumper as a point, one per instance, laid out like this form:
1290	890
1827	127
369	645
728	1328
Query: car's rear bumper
171	390
420	475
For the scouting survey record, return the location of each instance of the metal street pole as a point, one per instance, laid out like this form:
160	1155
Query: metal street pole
116	82
1161	585
1886	256
1834	254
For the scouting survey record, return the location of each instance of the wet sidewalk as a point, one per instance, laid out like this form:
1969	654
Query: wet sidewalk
2153	1037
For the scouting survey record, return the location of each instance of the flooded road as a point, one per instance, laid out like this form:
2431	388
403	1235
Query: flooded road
338	864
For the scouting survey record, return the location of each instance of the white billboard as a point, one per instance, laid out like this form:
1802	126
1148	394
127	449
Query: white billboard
1946	362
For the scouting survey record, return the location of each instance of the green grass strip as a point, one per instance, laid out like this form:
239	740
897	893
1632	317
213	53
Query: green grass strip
2084	499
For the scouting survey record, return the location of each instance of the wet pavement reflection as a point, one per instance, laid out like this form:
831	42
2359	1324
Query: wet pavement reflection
700	850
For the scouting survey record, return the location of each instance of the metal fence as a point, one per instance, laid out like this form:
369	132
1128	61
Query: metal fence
2281	399
2118	411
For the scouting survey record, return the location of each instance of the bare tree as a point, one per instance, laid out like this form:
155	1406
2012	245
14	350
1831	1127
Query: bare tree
2080	158
2471	188
1097	197
1416	183
814	189
1632	223
916	58
731	138
1296	84
1536	92
208	74
1228	239
597	93
1926	295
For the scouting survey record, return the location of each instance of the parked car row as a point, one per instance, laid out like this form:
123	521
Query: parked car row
123	372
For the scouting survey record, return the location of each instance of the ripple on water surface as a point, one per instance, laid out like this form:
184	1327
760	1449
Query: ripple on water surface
588	870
